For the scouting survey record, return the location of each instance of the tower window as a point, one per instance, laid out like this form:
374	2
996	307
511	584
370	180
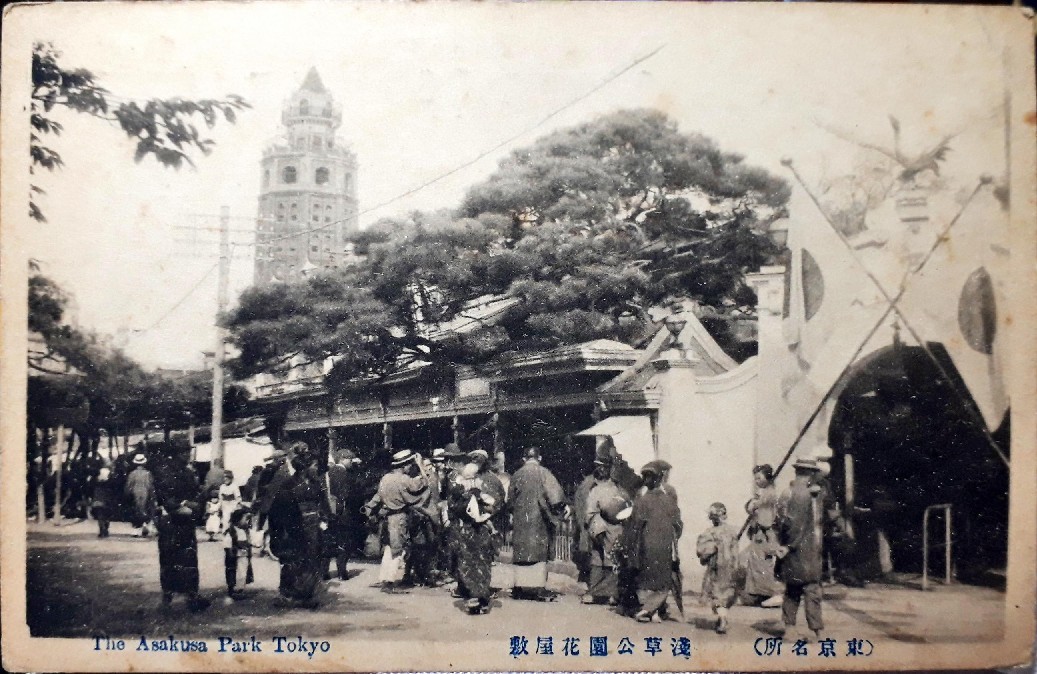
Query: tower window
316	143
327	111
304	107
266	177
289	175
322	176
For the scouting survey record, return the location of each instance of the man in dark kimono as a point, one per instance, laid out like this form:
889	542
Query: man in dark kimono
345	529
273	475
297	523
179	503
140	488
650	538
538	506
799	553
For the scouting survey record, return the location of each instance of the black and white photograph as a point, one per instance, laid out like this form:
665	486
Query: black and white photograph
440	336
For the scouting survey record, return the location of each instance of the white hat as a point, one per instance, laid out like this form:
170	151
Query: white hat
401	457
140	459
808	463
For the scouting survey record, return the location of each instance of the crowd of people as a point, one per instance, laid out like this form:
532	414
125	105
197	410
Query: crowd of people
444	519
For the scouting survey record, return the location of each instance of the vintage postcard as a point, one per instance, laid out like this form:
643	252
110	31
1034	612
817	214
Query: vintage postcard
517	337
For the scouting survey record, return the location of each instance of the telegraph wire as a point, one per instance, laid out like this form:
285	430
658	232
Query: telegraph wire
183	299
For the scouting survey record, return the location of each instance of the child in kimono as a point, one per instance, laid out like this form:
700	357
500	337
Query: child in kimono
717	549
212	517
237	552
230	498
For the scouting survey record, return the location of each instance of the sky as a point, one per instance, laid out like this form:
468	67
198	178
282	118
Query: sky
425	88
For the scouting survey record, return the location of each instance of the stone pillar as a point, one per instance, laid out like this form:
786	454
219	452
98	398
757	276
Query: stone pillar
677	445
772	423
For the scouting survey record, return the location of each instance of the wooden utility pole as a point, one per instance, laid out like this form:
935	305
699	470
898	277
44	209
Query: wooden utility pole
216	457
41	477
59	449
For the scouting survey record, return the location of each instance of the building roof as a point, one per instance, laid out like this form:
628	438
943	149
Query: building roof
313	82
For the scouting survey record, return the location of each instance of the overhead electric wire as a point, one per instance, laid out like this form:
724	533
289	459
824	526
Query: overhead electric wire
183	299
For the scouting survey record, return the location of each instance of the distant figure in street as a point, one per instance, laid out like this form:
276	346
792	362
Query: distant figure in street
103	503
492	485
581	540
717	550
425	525
538	506
140	488
177	492
250	491
604	502
398	494
345	532
213	523
237	553
230	499
471	508
274	474
650	537
799	553
498	470
449	471
296	521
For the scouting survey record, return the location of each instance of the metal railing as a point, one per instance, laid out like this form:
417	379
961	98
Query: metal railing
561	545
946	544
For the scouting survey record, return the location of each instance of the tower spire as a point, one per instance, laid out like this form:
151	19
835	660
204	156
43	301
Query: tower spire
313	82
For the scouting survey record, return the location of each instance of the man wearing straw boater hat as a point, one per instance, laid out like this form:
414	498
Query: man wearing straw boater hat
799	552
398	492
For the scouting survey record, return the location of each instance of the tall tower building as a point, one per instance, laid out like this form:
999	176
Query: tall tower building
307	200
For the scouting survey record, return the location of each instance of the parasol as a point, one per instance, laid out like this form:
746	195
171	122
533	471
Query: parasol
677	581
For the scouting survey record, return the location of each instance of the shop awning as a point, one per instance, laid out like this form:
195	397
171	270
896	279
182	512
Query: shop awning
632	435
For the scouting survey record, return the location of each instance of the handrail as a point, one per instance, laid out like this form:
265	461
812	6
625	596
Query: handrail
946	508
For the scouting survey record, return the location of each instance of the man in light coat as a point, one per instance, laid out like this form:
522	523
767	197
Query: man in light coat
538	506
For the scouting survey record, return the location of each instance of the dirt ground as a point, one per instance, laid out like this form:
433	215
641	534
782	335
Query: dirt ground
81	586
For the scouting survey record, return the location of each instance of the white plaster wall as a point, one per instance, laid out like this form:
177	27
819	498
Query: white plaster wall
708	431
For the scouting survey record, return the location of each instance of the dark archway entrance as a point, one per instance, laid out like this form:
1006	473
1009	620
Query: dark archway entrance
912	444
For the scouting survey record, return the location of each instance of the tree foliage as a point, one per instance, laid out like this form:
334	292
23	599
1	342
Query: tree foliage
582	232
165	129
118	393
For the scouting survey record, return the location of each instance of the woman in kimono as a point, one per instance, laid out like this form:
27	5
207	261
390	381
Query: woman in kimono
140	488
177	492
761	583
230	499
471	509
604	502
717	550
297	520
213	524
